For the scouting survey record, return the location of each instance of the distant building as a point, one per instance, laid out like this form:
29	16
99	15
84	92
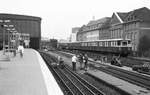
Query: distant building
45	43
22	24
133	25
19	38
73	37
94	30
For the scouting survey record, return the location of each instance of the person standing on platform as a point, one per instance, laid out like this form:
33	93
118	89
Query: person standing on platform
74	61
81	61
85	60
21	50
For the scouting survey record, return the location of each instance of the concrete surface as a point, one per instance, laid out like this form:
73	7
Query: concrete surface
23	76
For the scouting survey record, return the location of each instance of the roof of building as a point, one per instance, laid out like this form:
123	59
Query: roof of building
107	23
102	20
140	14
18	17
122	15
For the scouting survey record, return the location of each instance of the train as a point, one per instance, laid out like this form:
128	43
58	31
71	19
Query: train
112	46
49	44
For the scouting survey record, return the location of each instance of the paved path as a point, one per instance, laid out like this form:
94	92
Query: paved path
25	76
124	85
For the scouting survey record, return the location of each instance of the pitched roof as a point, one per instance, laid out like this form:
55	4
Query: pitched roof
141	14
107	23
102	20
122	15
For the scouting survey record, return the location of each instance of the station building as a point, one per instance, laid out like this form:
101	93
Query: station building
94	30
133	25
15	28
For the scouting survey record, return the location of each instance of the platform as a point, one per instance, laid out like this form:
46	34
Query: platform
27	76
124	85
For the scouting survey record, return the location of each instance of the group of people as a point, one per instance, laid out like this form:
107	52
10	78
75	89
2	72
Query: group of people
20	50
82	59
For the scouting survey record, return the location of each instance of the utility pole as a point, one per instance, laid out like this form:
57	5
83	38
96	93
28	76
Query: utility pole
3	22
2	26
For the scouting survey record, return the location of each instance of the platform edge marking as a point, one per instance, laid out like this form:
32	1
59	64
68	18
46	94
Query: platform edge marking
48	78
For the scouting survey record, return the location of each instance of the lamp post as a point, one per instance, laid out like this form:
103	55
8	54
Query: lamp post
4	57
3	28
10	28
3	32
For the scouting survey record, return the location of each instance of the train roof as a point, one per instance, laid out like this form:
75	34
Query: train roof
102	40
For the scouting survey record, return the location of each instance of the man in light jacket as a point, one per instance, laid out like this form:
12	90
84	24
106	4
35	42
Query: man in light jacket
74	61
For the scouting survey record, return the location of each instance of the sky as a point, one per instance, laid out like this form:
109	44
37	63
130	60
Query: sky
60	16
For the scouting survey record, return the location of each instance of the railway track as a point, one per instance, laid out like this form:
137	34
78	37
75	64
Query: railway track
74	85
63	85
129	76
101	85
88	85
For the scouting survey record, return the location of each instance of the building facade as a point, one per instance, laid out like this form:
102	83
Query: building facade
93	30
136	27
17	38
133	25
22	24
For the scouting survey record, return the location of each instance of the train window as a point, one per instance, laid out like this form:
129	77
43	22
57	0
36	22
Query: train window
106	44
85	44
129	42
99	43
114	43
118	43
82	44
124	43
103	43
111	43
89	44
94	44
